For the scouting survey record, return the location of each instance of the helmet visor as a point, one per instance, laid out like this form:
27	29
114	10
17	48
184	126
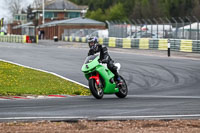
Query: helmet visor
91	43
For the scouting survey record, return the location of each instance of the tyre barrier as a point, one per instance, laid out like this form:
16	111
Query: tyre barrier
145	43
18	39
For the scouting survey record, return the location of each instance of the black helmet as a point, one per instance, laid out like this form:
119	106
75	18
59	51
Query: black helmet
92	42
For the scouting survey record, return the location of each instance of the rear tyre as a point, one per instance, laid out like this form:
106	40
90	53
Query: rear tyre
123	89
96	91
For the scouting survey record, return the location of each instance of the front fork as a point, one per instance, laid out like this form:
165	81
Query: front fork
97	79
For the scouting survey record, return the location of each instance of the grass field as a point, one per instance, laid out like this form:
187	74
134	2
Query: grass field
17	80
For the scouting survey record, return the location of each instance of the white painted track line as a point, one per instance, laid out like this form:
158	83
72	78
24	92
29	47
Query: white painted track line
45	72
103	117
167	97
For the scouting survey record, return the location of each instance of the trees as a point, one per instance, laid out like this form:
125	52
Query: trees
116	12
97	15
137	9
14	6
38	3
196	9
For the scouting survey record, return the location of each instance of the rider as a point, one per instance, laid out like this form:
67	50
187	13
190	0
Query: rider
95	47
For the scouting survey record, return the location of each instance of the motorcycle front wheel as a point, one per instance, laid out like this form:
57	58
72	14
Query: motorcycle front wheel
123	89
96	91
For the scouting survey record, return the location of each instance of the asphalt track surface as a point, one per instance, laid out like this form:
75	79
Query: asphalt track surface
159	87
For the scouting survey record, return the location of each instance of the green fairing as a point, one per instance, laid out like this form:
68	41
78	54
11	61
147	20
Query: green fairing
105	73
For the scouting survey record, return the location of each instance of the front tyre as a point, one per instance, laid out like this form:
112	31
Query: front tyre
123	89
96	91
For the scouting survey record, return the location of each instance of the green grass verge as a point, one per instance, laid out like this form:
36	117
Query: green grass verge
17	80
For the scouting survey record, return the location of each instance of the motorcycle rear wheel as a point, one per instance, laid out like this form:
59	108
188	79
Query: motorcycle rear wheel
123	90
96	91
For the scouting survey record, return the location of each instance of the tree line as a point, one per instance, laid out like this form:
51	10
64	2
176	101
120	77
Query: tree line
136	9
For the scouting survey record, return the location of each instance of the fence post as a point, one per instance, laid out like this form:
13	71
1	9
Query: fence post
197	27
129	33
170	30
157	25
108	23
135	27
151	25
176	26
190	26
183	24
125	25
145	22
163	26
112	28
140	23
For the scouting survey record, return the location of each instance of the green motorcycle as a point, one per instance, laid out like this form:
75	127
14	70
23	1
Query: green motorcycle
101	79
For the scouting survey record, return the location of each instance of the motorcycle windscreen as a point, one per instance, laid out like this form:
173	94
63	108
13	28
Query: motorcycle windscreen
90	59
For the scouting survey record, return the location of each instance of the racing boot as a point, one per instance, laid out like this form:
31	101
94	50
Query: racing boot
119	81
